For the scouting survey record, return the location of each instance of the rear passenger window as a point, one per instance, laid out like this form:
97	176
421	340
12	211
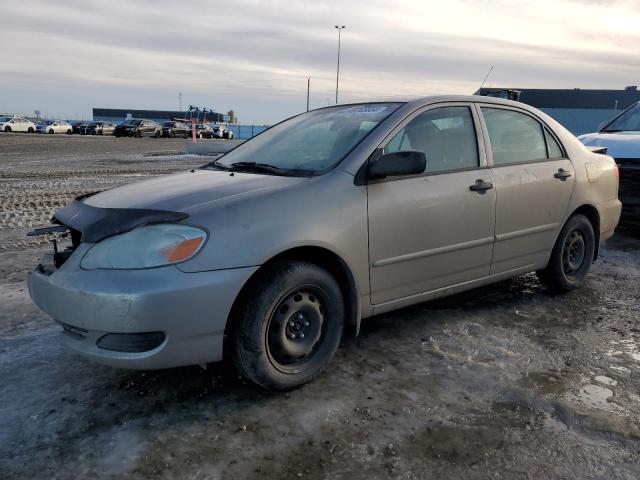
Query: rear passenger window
515	137
552	145
446	135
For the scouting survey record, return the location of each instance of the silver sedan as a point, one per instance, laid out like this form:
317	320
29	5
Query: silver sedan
327	218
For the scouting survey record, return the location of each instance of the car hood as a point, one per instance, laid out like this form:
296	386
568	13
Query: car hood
619	145
183	192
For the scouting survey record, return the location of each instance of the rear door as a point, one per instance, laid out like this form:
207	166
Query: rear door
431	230
534	181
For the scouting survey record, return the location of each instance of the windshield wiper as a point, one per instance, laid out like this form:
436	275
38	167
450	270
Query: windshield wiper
267	168
613	130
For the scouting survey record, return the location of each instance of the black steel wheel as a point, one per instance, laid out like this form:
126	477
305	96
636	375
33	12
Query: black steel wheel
288	326
571	257
296	328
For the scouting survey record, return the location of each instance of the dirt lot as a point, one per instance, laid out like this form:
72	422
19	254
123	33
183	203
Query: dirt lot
506	381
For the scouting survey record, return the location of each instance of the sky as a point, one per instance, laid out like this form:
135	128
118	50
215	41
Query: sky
254	57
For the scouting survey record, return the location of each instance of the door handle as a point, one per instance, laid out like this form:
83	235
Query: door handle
481	186
562	174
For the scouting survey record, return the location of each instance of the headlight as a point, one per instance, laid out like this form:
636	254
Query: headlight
146	247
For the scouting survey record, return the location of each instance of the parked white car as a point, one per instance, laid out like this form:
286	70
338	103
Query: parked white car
16	124
54	126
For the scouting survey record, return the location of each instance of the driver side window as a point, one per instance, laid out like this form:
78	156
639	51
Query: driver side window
446	135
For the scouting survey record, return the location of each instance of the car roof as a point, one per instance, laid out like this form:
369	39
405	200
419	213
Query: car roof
429	99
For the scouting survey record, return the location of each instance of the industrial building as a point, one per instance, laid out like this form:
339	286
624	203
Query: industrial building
580	111
117	115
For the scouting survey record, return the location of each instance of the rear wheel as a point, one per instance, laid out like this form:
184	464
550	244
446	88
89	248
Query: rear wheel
51	132
157	134
30	130
7	129
289	327
69	131
571	257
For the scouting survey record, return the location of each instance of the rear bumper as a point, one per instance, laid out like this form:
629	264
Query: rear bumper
609	217
190	309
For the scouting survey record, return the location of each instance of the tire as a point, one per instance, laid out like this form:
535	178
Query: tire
30	130
50	132
288	328
69	132
571	257
138	134
157	134
7	129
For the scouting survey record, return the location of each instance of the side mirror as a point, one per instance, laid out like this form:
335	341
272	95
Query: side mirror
394	164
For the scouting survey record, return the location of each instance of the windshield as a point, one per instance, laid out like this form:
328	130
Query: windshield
167	124
628	121
131	122
314	141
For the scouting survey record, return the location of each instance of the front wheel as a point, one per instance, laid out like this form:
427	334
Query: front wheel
30	130
289	325
51	132
571	256
69	131
7	129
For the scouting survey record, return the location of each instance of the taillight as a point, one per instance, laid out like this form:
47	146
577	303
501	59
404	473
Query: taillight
617	172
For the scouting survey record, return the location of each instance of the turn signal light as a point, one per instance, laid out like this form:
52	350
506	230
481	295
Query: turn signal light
182	250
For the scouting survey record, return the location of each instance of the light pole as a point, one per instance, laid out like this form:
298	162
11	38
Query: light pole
340	28
180	101
308	86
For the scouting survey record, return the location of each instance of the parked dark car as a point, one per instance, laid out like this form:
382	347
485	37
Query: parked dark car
172	128
138	128
621	137
78	125
98	128
204	131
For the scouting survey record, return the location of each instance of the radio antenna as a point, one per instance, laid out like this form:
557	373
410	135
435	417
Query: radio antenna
486	76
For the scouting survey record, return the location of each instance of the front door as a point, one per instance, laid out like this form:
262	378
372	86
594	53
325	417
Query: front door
432	230
534	182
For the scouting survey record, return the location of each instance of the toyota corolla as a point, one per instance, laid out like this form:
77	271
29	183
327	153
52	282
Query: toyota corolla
327	218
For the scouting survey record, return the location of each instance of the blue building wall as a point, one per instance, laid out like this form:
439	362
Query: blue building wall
581	120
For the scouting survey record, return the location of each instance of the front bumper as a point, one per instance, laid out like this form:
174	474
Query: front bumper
190	309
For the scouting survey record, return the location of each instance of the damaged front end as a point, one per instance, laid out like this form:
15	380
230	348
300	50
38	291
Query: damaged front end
84	223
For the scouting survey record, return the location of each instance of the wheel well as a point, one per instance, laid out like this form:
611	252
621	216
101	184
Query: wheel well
323	258
592	214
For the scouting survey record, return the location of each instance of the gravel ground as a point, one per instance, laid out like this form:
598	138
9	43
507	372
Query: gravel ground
506	381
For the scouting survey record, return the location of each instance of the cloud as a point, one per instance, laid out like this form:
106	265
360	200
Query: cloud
255	56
